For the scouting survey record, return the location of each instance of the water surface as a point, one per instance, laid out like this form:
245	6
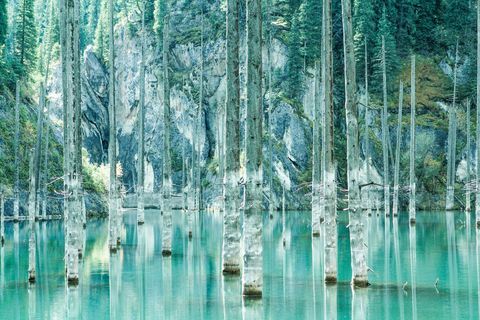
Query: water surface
137	283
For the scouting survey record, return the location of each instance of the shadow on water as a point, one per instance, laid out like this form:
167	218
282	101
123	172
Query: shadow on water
428	270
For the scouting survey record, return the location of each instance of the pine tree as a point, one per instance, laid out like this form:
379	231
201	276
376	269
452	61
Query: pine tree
364	30
26	37
100	43
386	31
3	23
294	84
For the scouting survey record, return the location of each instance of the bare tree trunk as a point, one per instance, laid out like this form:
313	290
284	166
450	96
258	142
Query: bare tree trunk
2	221
367	136
231	190
316	162
269	106
252	280
449	205
469	146
198	171
112	141
31	220
167	164
16	191
413	186
141	130
477	178
69	32
45	164
385	136
396	177
357	232
329	174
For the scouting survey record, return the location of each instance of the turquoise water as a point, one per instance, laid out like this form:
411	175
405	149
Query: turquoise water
140	284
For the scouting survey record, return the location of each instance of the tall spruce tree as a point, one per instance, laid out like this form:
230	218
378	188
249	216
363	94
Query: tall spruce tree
3	22
26	37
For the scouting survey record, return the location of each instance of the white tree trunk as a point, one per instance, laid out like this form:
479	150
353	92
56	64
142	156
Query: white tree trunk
385	136
368	201
31	220
252	280
451	150
269	106
396	177
45	164
413	186
141	130
2	221
469	146
329	172
69	32
356	218
167	165
16	191
316	162
112	140
231	190
477	178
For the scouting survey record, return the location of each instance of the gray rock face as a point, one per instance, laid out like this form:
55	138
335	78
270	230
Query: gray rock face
292	132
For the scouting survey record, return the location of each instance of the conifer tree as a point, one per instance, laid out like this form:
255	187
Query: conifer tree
26	36
3	23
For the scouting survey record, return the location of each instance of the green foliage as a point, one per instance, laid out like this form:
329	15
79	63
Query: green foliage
100	43
3	22
26	37
385	30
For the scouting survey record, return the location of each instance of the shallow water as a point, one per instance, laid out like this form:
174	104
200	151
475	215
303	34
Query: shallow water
140	284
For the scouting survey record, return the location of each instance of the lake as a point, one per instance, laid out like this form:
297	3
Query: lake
429	271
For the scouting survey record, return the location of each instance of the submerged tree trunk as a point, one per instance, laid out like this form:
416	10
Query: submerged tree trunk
252	280
167	164
469	146
45	164
112	141
141	130
329	174
368	201
231	190
269	106
357	232
16	191
316	164
396	177
385	136
2	220
413	186
451	150
31	219
69	32
477	178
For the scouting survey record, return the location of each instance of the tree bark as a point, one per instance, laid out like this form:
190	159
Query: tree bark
69	32
269	106
451	149
141	130
167	164
356	221
16	191
231	190
368	202
316	162
252	280
413	186
385	136
329	173
469	146
31	218
396	177
2	221
112	141
477	179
